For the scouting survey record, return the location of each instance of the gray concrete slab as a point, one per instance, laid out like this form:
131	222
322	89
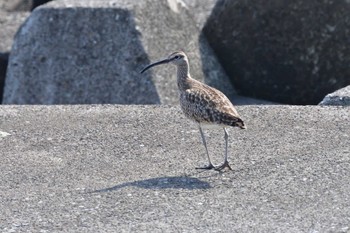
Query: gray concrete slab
131	168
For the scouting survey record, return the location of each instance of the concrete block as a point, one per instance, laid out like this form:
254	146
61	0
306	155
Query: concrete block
81	52
284	51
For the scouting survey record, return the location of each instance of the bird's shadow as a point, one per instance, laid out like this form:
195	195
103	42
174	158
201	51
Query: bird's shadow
172	182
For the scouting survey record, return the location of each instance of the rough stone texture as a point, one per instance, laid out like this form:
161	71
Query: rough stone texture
200	10
340	97
131	169
16	5
9	24
92	51
285	51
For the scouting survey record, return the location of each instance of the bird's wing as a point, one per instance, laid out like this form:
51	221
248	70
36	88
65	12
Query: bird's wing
211	97
211	105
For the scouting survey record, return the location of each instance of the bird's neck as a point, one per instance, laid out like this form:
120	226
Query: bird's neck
183	75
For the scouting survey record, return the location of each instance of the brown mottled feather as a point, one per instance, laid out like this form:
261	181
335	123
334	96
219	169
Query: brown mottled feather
205	104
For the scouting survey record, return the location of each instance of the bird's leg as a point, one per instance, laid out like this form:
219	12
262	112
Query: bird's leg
210	166
225	163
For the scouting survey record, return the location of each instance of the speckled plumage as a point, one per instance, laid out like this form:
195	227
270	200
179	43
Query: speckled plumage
202	103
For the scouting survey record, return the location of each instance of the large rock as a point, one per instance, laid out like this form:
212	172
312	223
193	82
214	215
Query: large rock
340	97
92	51
286	51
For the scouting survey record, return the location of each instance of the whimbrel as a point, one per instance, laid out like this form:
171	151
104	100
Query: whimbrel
203	104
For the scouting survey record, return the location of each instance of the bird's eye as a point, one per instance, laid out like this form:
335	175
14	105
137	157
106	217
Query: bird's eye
177	57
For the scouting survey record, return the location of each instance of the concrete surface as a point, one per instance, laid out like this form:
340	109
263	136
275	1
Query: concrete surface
200	10
10	22
16	5
131	168
340	97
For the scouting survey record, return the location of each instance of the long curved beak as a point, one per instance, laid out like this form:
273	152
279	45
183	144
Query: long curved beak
155	64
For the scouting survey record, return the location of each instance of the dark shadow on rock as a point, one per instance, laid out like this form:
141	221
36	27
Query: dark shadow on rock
216	78
292	52
222	82
3	67
174	182
37	3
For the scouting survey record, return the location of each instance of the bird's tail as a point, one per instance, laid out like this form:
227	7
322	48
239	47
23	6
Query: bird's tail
239	123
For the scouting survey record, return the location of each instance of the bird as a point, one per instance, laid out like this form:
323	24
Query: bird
203	104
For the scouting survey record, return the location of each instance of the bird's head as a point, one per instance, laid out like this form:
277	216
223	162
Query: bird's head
177	58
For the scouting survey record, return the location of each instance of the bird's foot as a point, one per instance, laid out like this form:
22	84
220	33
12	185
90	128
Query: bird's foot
208	167
223	166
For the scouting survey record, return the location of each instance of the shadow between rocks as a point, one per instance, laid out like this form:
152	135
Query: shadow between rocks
3	67
173	182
